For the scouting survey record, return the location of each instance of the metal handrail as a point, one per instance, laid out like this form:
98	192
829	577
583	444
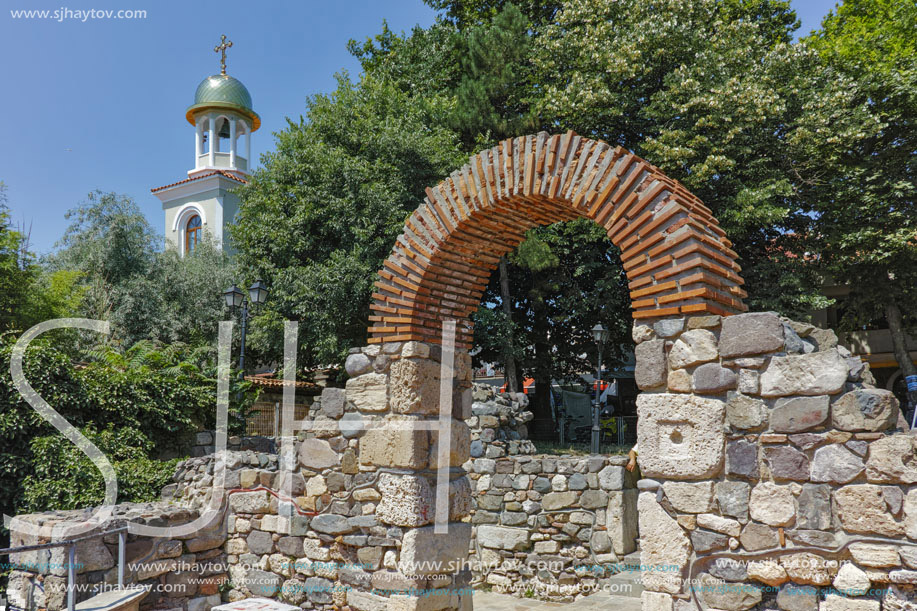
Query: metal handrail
70	544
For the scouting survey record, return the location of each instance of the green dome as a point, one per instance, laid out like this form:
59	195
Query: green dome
223	92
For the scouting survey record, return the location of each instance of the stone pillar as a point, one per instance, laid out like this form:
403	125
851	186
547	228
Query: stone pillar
771	468
397	386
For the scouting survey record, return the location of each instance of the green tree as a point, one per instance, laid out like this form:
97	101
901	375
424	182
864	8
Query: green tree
110	265
17	273
492	96
321	214
566	278
142	404
707	94
877	35
857	146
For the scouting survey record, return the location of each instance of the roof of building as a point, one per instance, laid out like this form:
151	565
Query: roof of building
224	173
267	380
223	92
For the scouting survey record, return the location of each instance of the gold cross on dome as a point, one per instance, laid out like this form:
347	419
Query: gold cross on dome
221	49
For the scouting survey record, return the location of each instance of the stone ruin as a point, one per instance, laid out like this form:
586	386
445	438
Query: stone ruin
774	477
358	530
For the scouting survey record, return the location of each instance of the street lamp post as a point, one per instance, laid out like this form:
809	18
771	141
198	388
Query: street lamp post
235	299
600	335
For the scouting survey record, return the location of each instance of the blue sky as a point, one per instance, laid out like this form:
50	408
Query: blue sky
100	104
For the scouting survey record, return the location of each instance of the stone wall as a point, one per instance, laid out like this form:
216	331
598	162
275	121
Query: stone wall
357	529
545	526
180	572
498	423
776	476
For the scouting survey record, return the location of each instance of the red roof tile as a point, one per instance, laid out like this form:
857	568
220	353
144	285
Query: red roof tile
223	173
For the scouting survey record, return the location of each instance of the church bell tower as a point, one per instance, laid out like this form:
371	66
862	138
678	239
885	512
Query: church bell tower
223	121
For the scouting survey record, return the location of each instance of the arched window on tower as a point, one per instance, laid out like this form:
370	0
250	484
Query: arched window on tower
192	234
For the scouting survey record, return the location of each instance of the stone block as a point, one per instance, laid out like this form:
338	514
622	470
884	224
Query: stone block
818	373
836	464
720	595
719	524
333	399
410	500
263	584
680	436
317	454
260	542
814	510
732	498
663	543
642	332
749	381
621	520
767	571
503	537
756	537
250	502
368	392
459	448
612	477
834	602
772	504
395	444
875	555
706	541
851	580
751	333
860	508
808	568
655	601
364	601
670	327
351	425
679	380
744	412
690	497
797	414
892	460
793	597
693	347
425	553
558	500
357	364
415	386
650	370
865	409
713	378
742	458
704	322
788	463
331	524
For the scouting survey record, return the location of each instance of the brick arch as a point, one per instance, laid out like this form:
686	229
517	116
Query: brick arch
677	258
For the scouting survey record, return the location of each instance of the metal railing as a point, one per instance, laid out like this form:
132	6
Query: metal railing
70	544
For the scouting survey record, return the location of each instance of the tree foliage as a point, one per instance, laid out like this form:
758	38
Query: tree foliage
857	145
322	213
110	265
141	404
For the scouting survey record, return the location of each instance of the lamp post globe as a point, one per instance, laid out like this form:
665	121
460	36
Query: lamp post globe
257	292
234	297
